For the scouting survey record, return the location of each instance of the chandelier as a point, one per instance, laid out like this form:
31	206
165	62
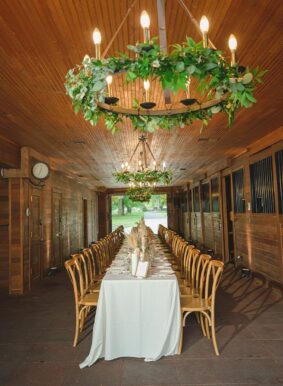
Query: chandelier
209	82
142	173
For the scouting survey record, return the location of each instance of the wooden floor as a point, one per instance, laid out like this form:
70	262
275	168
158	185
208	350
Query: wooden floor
36	333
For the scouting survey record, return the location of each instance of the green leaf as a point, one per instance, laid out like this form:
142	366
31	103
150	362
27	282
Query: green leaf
251	98
191	69
247	78
98	86
210	66
77	107
180	66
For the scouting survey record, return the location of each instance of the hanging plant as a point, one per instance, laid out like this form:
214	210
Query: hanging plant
226	87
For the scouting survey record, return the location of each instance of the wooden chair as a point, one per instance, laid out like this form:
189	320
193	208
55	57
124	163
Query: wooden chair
83	300
195	265
204	304
93	280
190	268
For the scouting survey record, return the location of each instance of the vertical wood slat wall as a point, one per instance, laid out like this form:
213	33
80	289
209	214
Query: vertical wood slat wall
15	226
258	236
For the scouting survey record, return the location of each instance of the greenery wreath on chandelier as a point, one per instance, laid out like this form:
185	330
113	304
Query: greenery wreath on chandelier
139	194
146	176
228	86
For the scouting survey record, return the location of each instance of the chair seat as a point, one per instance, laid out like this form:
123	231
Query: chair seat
190	303
95	287
90	299
188	291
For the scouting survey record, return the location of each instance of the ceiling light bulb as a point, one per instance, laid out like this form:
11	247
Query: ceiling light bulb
204	24
146	84
145	20
232	42
86	59
96	35
109	79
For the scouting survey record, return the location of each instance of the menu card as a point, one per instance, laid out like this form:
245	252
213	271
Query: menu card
142	269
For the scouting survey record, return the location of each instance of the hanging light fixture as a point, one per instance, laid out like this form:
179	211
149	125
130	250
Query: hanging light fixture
184	68
142	169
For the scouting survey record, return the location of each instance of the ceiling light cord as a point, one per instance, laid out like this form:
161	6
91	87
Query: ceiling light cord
193	19
118	29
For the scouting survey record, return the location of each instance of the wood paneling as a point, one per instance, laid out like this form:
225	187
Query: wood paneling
4	233
9	154
16	235
260	248
41	40
257	237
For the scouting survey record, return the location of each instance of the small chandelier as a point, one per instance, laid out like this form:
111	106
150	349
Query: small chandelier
142	171
218	84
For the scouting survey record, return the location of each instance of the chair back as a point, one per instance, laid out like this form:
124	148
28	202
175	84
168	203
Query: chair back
191	268
74	273
210	279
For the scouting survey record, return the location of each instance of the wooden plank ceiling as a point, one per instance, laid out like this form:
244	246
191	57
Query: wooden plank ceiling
40	40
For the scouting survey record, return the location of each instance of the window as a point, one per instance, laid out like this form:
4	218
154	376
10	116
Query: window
262	188
238	191
196	199
214	183
205	197
279	172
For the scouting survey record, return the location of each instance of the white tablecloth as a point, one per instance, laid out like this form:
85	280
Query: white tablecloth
136	318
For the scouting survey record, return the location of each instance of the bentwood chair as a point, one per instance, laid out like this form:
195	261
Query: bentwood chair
93	280
194	269
190	267
204	304
83	300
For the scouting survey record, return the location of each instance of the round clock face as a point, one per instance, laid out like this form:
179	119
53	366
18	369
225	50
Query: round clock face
40	170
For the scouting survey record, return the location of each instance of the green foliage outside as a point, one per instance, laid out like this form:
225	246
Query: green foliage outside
128	213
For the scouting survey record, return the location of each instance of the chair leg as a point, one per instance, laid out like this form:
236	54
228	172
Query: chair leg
202	324
76	328
207	328
181	336
213	334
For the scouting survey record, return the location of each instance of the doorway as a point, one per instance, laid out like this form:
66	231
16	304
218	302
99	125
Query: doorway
127	213
57	228
229	218
35	234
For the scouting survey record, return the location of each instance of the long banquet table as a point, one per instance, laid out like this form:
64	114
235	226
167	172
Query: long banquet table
137	317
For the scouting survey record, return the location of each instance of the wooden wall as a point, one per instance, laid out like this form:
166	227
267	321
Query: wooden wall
257	237
4	233
17	221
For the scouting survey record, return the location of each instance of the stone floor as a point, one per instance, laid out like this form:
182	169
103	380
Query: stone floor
36	333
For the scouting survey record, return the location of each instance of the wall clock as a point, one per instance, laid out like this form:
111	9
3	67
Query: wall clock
40	170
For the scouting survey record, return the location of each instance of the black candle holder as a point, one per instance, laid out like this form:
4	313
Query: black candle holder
148	105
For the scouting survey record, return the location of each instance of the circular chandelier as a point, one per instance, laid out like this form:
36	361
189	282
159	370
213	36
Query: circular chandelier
218	84
142	173
139	194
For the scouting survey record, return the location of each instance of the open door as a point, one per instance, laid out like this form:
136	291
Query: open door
57	229
228	218
35	234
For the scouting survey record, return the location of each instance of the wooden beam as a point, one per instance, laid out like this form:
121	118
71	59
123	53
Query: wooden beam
163	38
